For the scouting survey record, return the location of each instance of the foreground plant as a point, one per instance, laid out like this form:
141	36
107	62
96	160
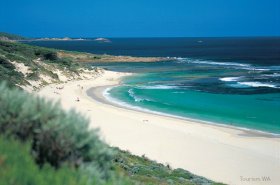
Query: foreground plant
57	137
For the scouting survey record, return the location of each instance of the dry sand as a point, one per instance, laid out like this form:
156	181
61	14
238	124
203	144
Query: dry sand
221	154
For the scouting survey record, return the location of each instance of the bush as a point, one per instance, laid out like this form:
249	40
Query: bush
46	54
15	57
6	64
56	137
8	72
18	168
141	169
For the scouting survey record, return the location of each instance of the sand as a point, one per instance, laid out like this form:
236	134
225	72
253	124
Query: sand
222	154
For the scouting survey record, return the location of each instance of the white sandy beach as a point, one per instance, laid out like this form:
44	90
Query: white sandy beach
221	154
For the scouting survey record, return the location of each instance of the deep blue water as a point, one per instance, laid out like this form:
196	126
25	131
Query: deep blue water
233	81
261	50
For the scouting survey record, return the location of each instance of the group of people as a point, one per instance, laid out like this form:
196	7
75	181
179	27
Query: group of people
80	86
62	87
58	88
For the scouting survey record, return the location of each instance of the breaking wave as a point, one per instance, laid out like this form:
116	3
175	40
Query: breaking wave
236	65
257	84
158	87
137	98
230	79
196	61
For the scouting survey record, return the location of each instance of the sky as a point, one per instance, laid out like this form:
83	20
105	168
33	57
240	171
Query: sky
140	18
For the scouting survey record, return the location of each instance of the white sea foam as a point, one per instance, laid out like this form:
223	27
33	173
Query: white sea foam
221	63
158	87
262	68
258	84
136	98
236	65
208	62
230	79
256	69
180	60
273	75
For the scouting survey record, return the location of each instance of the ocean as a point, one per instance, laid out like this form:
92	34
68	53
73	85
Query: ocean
230	81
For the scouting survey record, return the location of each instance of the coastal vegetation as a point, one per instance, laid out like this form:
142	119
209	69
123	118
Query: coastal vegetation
9	36
25	65
42	144
89	57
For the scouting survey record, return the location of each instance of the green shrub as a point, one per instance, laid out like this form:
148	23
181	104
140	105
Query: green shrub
8	72
16	57
46	54
141	170
57	137
17	167
6	64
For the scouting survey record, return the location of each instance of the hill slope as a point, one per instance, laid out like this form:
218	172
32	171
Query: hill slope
32	67
9	36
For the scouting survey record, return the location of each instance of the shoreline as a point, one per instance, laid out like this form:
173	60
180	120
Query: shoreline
179	143
97	93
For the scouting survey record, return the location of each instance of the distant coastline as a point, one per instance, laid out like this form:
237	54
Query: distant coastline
99	39
57	39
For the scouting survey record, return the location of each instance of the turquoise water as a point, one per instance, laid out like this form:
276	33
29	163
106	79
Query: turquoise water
242	96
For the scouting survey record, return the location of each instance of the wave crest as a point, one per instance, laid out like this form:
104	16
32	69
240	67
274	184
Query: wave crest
230	79
158	87
236	65
209	62
257	84
137	98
